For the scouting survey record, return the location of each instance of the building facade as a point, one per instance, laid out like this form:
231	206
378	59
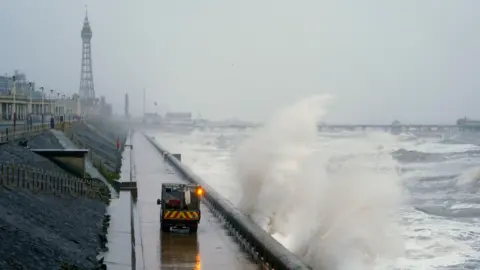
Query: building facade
22	85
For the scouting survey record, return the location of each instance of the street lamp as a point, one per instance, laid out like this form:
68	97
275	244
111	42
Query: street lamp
51	94
63	107
43	109
14	91
30	110
57	109
76	106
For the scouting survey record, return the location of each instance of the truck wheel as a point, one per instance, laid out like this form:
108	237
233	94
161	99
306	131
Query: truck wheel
165	227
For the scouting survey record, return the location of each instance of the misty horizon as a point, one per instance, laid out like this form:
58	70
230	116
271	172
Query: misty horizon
414	62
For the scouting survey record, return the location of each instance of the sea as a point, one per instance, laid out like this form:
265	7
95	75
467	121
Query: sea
346	199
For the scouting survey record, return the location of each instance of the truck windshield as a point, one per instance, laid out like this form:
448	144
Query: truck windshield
175	198
174	194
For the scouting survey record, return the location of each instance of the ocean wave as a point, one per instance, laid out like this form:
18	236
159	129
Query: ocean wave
348	198
407	156
367	196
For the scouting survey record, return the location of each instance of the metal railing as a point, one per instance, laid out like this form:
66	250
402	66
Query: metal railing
8	134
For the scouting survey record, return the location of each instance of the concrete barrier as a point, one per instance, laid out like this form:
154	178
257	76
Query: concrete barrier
258	242
178	157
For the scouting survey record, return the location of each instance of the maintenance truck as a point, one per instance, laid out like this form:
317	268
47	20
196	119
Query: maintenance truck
180	206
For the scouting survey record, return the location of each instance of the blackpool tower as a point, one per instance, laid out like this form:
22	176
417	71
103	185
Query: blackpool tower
87	90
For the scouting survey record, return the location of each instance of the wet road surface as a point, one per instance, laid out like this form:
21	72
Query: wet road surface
210	248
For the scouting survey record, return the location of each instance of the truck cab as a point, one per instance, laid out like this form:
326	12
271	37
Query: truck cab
180	206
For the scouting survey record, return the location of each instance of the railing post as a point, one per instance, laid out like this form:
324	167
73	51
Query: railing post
43	181
8	174
19	178
2	179
60	183
53	182
67	190
14	175
34	178
29	176
80	187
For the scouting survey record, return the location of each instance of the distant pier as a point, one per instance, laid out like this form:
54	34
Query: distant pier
395	127
400	128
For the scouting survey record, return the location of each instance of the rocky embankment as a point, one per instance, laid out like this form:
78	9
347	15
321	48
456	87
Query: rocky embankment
102	136
45	231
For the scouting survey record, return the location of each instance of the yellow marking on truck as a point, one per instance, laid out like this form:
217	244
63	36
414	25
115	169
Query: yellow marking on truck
181	215
169	214
192	215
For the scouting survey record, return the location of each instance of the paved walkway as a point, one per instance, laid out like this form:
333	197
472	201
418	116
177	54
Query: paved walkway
119	234
210	248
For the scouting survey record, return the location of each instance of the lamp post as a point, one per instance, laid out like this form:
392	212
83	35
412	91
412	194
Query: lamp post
50	105
14	90
64	107
43	109
30	107
57	109
131	163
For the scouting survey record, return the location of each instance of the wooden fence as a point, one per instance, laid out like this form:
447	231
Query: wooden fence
15	175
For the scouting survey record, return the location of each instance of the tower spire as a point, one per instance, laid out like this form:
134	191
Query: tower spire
86	15
85	20
87	90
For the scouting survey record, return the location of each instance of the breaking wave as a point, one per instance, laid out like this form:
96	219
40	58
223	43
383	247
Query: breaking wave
331	204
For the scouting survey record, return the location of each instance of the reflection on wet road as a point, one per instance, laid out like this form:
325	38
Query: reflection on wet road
179	251
210	248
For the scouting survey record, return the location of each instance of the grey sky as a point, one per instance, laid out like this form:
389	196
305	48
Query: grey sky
416	61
